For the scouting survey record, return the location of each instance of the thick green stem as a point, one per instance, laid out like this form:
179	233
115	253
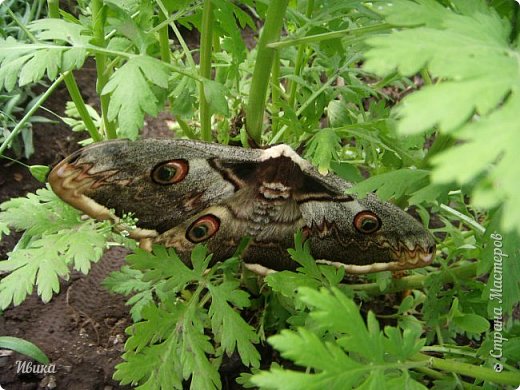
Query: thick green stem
471	370
30	113
103	72
299	60
54	8
72	86
206	39
264	62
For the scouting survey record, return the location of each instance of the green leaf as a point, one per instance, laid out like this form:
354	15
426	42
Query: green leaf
393	184
52	29
337	370
339	350
193	356
128	281
337	113
39	172
24	347
476	99
121	19
29	62
43	61
38	213
163	264
229	326
323	148
83	246
471	323
47	248
135	79
167	347
302	255
4	229
358	337
499	258
215	94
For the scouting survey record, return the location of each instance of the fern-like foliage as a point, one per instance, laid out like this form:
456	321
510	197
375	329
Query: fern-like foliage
475	98
54	242
171	343
341	349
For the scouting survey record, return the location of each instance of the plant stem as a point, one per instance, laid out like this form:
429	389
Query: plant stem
426	77
416	281
473	371
22	26
76	97
264	62
331	35
72	86
30	113
275	93
299	59
164	42
206	40
450	350
468	221
185	128
103	72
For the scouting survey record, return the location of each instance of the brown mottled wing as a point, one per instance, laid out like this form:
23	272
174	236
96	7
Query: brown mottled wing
399	243
117	175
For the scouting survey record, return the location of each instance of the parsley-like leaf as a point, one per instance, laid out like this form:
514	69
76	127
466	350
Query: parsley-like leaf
54	239
470	52
323	148
132	95
232	330
355	354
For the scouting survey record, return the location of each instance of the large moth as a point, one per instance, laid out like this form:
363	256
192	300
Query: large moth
185	193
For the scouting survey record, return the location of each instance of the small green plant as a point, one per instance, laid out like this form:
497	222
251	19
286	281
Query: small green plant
318	88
